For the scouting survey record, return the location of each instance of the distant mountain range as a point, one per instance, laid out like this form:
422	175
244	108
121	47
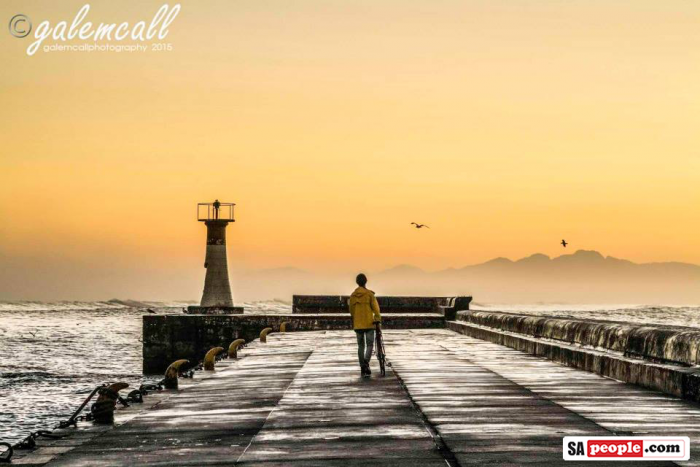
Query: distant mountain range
582	277
580	261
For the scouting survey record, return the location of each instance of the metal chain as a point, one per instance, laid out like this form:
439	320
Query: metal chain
135	396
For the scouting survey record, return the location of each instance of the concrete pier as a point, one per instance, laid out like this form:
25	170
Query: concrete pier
447	399
167	338
170	337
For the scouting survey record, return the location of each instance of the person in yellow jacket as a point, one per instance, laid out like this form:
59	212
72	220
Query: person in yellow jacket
364	310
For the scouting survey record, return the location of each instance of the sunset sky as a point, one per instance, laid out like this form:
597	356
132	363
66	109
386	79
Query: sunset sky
505	125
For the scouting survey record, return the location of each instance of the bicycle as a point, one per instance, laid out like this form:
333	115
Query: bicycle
379	345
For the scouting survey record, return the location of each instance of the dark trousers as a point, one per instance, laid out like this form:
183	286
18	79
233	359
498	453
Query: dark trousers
365	344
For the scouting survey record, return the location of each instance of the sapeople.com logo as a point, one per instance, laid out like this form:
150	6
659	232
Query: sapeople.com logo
579	448
21	26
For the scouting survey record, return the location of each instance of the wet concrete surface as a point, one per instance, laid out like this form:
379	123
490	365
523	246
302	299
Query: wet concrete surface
497	406
331	414
299	401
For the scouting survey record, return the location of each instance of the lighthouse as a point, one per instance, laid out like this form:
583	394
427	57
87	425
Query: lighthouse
217	297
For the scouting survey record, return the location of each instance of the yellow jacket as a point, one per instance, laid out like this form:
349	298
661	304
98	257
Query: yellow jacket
364	308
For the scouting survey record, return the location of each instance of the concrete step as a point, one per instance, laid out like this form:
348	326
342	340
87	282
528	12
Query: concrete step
676	380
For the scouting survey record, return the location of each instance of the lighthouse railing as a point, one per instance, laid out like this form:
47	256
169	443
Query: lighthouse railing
207	212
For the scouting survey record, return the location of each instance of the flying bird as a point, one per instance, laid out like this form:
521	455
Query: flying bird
564	243
419	226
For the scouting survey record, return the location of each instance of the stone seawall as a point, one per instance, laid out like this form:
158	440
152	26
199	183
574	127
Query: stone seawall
656	358
167	338
447	306
654	343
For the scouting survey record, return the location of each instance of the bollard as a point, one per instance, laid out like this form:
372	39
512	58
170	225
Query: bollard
264	333
6	457
103	409
233	348
171	374
283	327
210	358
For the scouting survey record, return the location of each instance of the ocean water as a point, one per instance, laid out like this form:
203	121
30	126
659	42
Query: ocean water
52	355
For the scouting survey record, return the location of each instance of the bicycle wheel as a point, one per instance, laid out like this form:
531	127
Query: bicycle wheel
381	356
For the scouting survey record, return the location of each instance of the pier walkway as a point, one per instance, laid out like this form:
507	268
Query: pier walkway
447	399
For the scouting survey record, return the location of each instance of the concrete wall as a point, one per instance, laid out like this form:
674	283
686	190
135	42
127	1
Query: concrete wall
653	343
167	338
387	304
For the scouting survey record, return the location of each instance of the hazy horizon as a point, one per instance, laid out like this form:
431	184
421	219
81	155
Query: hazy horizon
578	276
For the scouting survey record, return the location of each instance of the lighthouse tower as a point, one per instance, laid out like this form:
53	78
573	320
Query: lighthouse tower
217	298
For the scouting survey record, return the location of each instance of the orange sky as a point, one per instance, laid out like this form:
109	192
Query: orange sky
505	125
